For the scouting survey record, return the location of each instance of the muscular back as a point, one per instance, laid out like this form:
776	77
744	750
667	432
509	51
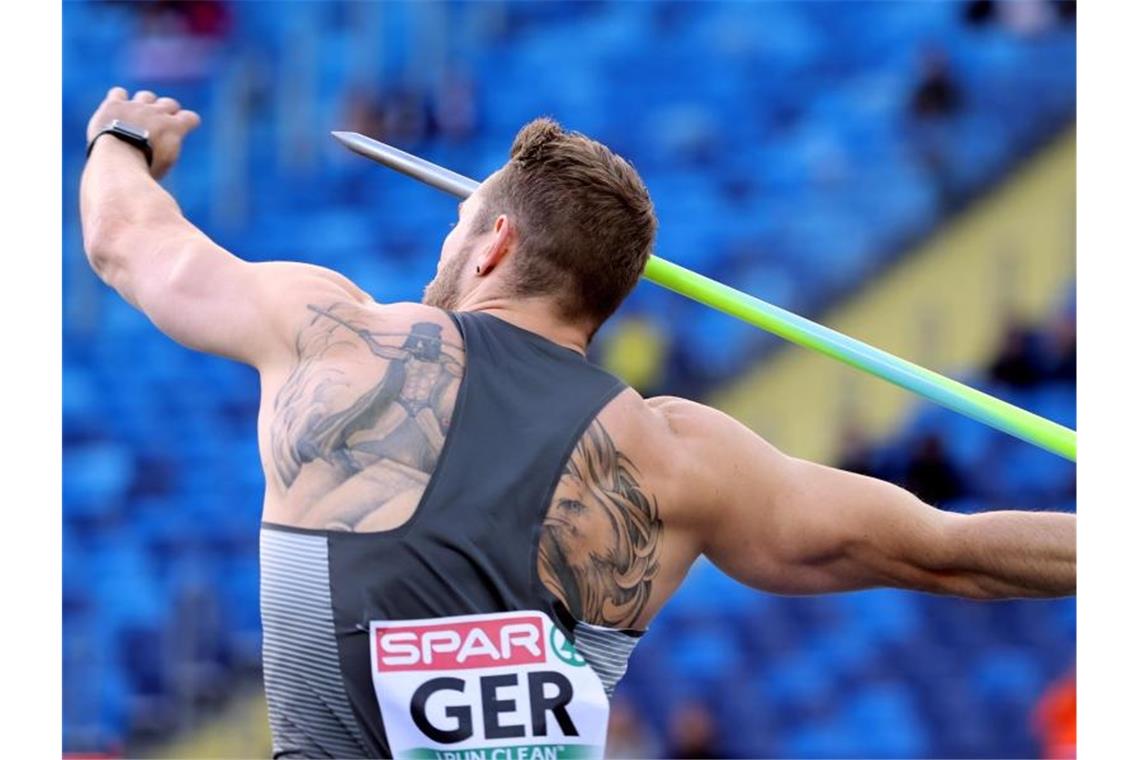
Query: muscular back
351	431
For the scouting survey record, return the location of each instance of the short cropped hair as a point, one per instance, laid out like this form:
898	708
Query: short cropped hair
586	224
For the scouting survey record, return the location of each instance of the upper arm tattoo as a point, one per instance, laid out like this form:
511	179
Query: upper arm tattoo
369	438
601	541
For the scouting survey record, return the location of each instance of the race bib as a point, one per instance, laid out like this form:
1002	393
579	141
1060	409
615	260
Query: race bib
506	686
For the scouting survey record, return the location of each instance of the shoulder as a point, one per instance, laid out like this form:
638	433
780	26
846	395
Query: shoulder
655	435
636	422
674	407
336	327
689	437
690	421
713	452
663	428
285	282
335	310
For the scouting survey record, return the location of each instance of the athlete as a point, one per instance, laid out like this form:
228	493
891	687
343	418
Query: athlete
466	524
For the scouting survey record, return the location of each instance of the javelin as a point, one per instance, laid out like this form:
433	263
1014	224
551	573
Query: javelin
951	394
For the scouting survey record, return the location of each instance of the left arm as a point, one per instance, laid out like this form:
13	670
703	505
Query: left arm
1007	553
791	526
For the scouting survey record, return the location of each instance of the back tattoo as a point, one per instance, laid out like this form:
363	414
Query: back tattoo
344	449
357	430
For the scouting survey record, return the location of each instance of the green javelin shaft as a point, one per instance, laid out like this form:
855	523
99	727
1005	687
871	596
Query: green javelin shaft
938	388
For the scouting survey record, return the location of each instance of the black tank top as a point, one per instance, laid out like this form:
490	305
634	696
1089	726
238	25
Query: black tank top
438	636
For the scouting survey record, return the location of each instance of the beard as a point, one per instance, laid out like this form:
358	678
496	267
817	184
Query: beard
443	292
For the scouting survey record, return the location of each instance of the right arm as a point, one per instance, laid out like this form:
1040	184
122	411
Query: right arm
791	526
195	291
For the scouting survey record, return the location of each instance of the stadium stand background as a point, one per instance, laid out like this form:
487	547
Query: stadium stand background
800	152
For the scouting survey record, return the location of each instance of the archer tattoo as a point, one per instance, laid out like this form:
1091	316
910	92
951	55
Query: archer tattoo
601	540
354	436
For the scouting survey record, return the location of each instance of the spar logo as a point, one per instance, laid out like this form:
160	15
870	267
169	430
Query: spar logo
512	641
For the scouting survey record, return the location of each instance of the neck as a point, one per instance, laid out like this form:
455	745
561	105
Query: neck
533	315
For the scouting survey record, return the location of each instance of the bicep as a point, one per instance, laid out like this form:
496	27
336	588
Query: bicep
209	300
791	526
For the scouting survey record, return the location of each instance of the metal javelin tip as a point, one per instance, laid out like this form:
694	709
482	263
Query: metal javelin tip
413	166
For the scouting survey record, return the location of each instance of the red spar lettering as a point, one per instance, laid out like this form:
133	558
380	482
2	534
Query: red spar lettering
460	645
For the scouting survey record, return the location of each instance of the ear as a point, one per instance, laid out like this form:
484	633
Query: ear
503	235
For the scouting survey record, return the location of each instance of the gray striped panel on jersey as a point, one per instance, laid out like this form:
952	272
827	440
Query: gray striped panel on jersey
607	651
308	710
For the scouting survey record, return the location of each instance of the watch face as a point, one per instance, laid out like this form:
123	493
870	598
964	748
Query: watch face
129	129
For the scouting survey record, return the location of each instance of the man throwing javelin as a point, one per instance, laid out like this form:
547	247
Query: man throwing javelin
467	525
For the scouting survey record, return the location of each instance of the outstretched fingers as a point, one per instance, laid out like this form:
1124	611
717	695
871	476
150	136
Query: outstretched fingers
188	120
168	105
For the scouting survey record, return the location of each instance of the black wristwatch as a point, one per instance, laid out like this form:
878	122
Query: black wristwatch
128	133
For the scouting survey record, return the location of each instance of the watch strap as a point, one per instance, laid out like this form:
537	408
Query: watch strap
114	130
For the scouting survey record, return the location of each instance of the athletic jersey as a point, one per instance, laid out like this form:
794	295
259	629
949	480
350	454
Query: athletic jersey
437	639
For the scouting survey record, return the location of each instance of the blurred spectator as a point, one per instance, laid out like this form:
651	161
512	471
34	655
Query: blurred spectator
454	107
1055	719
1066	10
693	733
931	475
407	121
686	373
199	648
1025	18
935	101
1062	349
626	737
978	12
364	112
177	40
635	350
1020	363
398	116
857	454
203	18
1028	18
937	95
